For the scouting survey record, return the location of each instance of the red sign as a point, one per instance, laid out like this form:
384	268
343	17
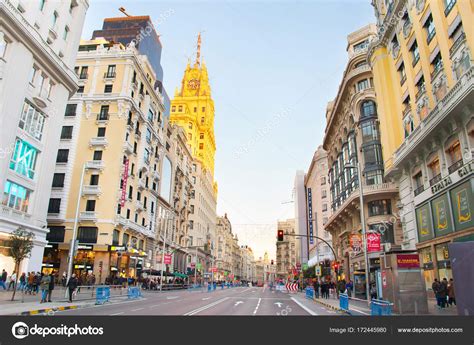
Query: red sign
167	259
193	264
408	261
356	242
214	269
373	242
124	183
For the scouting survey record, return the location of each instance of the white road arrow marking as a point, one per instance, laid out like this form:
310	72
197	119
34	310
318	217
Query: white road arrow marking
278	304
171	297
205	298
237	303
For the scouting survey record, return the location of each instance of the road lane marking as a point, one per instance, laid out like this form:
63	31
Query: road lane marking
171	297
238	302
198	310
278	304
205	298
359	311
137	309
303	306
122	312
258	305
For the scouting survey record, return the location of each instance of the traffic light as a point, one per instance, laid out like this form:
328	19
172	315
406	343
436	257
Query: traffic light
280	235
335	265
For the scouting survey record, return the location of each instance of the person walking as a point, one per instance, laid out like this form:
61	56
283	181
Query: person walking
451	296
72	285
444	293
436	287
12	281
349	288
3	279
50	288
44	285
22	281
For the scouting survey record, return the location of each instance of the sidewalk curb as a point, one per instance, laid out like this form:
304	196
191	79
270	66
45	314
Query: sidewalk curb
337	309
48	310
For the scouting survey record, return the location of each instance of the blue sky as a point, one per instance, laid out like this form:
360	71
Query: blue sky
273	67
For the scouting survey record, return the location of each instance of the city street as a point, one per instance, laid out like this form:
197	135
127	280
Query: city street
248	301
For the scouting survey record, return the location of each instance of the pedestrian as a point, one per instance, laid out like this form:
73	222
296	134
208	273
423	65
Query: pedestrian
72	285
50	288
22	281
451	296
36	282
64	279
444	292
12	281
44	284
349	288
316	288
31	281
3	279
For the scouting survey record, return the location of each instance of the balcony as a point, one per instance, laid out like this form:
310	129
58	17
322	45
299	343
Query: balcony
458	43
127	223
110	75
156	175
419	190
141	184
95	165
91	190
139	206
98	141
435	179
102	118
90	216
127	147
455	166
9	212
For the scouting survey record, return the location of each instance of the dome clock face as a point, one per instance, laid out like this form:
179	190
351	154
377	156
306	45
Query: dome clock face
193	84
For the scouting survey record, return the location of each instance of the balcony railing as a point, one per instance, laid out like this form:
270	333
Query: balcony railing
98	141
91	190
88	215
95	165
419	190
459	41
103	117
128	147
110	75
435	179
455	166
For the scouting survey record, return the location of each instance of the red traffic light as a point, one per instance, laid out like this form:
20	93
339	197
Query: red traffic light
280	235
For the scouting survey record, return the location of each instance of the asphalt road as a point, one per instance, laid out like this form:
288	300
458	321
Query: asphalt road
250	301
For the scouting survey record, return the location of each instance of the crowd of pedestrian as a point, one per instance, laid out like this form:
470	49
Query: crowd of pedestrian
444	293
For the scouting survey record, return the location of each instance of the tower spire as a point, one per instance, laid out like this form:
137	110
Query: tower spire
198	52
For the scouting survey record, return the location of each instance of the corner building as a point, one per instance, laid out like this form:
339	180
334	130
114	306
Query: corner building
423	77
38	48
352	136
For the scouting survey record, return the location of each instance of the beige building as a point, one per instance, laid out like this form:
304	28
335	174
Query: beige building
352	137
286	252
247	258
224	247
114	158
318	207
38	48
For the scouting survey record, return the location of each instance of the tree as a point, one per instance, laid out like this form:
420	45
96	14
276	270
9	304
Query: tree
21	245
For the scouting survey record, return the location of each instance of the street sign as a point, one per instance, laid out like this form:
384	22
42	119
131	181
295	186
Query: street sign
356	242
214	269
167	259
318	270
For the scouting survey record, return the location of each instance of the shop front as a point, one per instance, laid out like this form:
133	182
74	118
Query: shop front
126	262
6	261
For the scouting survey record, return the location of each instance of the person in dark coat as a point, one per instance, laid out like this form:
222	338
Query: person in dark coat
72	285
444	292
451	296
51	288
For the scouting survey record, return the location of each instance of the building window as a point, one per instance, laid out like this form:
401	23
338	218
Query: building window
97	155
66	132
56	234
42	3
108	88
415	53
323	180
23	159
408	125
32	121
101	132
94	180
180	108
455	156
203	109
80	89
104	113
430	29
202	120
16	196
54	205
324	194
372	155
325	207
63	155
437	64
54	19
84	72
201	146
418	182
367	109
362	85
87	234
374	177
115	237
173	108
369	131
361	46
111	71
58	180
448	6
385	230
66	32
435	170
402	73
90	206
71	110
379	208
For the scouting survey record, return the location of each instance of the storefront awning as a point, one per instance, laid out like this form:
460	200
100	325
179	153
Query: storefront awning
180	275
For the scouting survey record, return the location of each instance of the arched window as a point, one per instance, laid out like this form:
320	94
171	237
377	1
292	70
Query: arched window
368	109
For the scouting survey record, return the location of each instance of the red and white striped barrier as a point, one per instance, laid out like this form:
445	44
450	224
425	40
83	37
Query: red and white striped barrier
291	287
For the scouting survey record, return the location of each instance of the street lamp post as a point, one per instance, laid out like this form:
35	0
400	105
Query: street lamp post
163	253
364	232
74	230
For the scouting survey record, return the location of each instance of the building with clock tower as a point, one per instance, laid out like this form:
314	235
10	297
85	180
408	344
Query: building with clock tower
193	109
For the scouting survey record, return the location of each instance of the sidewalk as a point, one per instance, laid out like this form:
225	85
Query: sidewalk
26	304
357	307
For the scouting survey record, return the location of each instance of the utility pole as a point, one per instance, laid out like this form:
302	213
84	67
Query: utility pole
163	253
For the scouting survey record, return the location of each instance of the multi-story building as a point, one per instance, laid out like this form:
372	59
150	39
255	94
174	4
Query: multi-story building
38	47
352	139
111	173
423	77
301	222
236	259
193	109
286	252
318	208
224	247
247	259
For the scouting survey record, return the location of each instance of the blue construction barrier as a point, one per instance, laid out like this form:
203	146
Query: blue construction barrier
222	286
344	301
309	292
102	294
209	287
380	307
134	292
215	286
